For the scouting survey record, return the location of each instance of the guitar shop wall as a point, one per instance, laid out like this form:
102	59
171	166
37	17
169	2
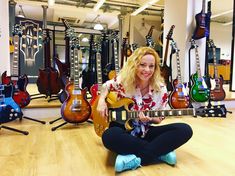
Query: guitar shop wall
31	52
4	36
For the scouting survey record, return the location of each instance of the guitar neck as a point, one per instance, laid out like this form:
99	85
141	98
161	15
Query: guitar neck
76	69
215	64
117	69
15	63
198	63
98	70
166	52
178	67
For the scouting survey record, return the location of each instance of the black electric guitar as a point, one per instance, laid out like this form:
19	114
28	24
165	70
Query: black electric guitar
217	92
202	23
149	38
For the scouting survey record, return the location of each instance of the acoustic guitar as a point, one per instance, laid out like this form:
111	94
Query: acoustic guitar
76	108
165	69
202	23
178	98
118	111
20	95
217	92
199	91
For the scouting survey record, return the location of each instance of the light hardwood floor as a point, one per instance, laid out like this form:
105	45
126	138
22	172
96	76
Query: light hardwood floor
75	150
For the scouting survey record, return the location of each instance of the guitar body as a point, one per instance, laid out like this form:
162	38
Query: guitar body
94	93
63	95
202	25
20	95
76	108
62	67
178	98
9	109
199	91
217	92
48	81
88	78
166	73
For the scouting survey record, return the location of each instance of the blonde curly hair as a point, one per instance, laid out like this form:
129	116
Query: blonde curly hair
128	72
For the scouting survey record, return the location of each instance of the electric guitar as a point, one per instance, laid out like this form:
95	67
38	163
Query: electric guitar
202	23
165	69
76	108
178	98
116	70
20	96
199	91
9	110
118	111
217	92
149	39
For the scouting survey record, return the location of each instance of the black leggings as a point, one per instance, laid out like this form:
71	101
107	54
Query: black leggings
158	141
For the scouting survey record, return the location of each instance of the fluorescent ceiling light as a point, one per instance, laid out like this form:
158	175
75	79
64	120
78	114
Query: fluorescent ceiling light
85	39
222	13
146	5
51	3
98	5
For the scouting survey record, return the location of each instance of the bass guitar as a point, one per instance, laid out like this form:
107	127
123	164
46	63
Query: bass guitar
217	92
118	111
165	69
202	23
48	81
20	95
76	108
178	98
199	91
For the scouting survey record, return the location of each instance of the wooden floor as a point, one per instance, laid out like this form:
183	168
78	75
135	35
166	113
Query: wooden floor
75	150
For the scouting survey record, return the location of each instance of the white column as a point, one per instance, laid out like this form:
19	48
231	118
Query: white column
4	37
181	13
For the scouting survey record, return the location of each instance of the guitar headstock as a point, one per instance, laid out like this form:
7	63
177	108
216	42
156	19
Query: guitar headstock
211	43
114	36
46	33
170	33
193	43
174	46
212	111
17	30
66	24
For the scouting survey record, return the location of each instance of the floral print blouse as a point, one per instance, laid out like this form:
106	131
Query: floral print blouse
150	101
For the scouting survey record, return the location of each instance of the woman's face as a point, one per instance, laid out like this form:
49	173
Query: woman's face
146	67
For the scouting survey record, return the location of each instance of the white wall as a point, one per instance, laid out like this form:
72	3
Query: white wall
4	37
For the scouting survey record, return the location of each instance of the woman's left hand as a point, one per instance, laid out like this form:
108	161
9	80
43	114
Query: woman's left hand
144	118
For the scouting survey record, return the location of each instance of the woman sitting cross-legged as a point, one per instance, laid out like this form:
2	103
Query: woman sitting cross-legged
140	80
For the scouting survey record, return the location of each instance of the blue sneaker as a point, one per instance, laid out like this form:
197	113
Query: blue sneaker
169	158
126	162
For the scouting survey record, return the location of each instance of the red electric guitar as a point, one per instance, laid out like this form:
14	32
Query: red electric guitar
217	92
178	98
76	108
20	94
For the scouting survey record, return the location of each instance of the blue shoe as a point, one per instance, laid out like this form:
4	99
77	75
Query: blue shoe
169	158
126	162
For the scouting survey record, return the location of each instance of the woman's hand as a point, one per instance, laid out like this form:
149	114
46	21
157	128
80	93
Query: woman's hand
144	118
102	107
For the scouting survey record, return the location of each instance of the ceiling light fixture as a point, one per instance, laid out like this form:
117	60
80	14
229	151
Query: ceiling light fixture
51	3
98	5
143	7
21	12
98	26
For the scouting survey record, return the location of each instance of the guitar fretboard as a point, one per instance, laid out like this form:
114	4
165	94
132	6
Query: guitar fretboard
15	62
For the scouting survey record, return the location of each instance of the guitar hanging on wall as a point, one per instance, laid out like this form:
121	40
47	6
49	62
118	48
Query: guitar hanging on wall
20	94
199	91
217	92
202	23
76	108
178	98
165	69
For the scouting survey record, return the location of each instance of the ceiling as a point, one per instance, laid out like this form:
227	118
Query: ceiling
80	12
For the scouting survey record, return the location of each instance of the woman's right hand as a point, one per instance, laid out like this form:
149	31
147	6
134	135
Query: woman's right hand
102	107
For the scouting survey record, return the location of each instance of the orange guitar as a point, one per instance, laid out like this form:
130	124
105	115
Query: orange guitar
178	98
76	108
